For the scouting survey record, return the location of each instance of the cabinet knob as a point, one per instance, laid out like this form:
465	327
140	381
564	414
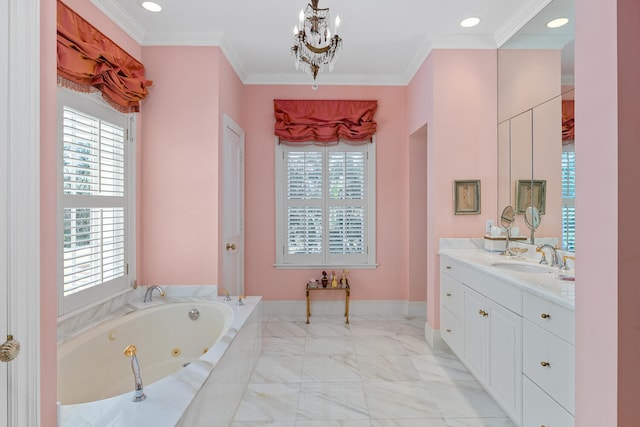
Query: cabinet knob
448	330
545	316
545	364
448	267
483	313
448	295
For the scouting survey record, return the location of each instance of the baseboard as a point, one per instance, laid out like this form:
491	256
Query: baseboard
336	307
433	337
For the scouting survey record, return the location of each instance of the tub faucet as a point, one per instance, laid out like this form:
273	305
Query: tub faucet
555	260
138	393
149	292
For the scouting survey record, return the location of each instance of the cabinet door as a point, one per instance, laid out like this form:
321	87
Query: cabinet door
476	335
505	359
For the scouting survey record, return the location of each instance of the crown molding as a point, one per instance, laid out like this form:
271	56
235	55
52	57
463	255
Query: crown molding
121	19
519	20
195	38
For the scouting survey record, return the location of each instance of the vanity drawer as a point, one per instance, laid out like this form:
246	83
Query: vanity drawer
555	319
451	294
550	363
451	330
458	270
541	410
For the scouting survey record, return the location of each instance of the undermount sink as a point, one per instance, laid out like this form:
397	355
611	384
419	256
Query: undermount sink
523	267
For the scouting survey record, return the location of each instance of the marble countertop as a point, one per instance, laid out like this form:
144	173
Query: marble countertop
546	285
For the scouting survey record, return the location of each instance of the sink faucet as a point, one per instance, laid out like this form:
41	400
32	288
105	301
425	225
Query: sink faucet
148	295
555	260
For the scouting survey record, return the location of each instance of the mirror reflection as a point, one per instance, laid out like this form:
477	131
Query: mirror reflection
536	160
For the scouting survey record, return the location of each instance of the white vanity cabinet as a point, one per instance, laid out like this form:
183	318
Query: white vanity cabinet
490	342
548	363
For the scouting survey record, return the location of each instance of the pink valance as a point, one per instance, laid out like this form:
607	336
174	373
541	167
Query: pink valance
324	122
567	122
88	61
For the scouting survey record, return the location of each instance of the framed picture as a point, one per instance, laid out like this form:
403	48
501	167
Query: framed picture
466	195
531	193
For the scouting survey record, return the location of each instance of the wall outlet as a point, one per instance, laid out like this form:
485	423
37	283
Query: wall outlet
488	226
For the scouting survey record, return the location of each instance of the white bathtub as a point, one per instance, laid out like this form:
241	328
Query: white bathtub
176	356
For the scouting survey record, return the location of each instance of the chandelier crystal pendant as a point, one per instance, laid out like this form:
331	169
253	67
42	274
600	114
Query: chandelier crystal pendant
314	47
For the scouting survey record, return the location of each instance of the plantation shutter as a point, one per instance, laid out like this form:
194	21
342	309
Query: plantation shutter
93	199
325	205
568	198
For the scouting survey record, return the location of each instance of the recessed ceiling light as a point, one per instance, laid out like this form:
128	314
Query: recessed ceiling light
470	22
151	6
558	22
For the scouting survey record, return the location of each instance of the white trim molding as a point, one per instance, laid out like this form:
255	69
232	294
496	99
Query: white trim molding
23	214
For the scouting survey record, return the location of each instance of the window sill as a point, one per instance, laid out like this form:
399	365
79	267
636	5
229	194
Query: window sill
325	266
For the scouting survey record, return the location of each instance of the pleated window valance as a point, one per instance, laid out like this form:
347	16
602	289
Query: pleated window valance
568	135
89	61
324	122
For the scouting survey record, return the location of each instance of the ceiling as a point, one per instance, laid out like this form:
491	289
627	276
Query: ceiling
384	43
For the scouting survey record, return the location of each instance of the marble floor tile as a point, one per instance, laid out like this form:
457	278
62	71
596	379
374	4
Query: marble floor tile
440	368
479	422
425	422
400	400
278	369
376	372
387	367
288	346
464	399
331	368
371	327
368	344
416	344
332	401
283	329
263	424
269	402
334	423
328	329
328	345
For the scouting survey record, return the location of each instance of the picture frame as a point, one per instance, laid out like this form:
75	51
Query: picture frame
466	196
528	190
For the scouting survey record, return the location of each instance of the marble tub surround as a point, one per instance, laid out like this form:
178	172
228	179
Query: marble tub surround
169	398
124	303
549	286
376	372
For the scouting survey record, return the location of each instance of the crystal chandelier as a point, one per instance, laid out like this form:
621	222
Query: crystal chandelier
313	45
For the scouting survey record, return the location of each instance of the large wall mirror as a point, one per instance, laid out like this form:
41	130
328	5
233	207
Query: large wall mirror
536	160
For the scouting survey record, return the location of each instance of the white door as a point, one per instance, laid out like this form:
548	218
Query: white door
233	207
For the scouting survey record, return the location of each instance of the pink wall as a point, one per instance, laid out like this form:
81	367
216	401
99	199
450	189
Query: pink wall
48	189
178	198
454	93
417	224
389	280
607	317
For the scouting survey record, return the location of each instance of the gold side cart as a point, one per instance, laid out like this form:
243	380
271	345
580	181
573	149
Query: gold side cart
347	292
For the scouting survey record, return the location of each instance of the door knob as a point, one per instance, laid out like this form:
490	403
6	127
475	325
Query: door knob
9	350
231	246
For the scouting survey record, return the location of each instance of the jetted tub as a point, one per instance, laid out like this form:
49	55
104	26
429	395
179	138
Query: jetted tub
92	366
176	356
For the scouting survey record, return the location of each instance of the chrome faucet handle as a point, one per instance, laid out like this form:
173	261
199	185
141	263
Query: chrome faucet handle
227	298
240	300
543	259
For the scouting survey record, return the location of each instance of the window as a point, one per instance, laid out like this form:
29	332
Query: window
325	209
568	197
95	188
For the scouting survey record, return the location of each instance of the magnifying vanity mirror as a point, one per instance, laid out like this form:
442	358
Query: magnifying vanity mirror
532	219
536	160
507	219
